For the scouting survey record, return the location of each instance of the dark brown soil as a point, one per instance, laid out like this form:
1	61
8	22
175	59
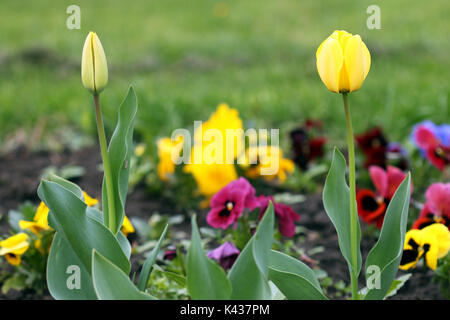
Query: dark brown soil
20	173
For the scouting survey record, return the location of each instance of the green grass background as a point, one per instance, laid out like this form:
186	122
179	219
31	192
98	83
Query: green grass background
183	60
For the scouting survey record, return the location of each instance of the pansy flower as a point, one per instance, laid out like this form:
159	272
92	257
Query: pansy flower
228	204
436	208
14	247
378	151
267	162
127	227
306	145
286	216
372	205
431	242
373	144
167	148
433	142
40	219
225	255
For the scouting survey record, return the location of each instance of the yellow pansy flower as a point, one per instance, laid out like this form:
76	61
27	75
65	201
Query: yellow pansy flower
211	178
166	147
14	247
40	220
127	227
270	163
431	242
343	62
435	243
139	150
89	200
223	120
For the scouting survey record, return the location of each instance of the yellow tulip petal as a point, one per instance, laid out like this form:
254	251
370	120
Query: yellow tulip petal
101	67
355	57
330	60
87	64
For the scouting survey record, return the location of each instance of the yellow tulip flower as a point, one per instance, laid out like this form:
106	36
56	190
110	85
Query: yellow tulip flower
14	247
94	68
343	62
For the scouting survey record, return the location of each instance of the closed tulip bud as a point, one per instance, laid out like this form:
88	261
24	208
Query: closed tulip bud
94	69
343	62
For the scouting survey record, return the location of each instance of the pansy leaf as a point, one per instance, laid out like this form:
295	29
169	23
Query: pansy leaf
294	278
205	278
249	274
383	260
119	153
337	205
148	264
81	233
111	283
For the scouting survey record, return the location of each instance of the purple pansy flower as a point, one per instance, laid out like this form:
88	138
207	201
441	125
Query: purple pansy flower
286	216
228	204
225	255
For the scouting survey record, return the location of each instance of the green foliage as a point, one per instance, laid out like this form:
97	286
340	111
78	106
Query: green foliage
147	267
119	152
294	278
205	278
249	274
77	234
387	252
111	283
337	205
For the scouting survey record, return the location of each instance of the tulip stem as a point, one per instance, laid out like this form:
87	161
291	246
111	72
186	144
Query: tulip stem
106	165
353	213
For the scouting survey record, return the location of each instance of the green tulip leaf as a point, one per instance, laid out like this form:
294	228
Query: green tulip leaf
336	201
80	233
205	278
123	241
249	274
148	264
293	278
119	153
383	260
111	283
67	276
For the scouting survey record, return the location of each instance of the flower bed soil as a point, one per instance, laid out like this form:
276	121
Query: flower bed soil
20	175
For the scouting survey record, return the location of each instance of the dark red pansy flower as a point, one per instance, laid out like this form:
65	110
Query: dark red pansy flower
373	144
170	254
228	204
306	145
286	216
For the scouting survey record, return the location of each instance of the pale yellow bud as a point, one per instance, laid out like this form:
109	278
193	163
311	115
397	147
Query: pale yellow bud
94	69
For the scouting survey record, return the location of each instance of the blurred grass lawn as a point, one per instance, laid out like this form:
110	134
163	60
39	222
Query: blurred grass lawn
185	57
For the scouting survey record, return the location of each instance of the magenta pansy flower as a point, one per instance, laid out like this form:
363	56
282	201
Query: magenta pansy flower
372	205
228	204
225	255
387	181
434	143
286	216
436	208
